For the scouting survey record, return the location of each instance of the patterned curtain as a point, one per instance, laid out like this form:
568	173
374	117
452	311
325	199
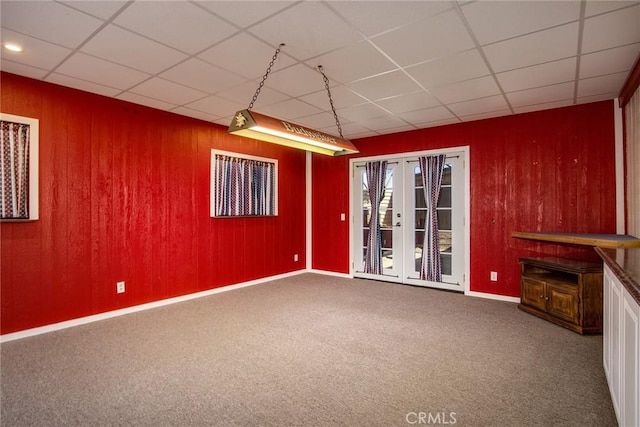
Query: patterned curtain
431	168
244	187
14	170
376	175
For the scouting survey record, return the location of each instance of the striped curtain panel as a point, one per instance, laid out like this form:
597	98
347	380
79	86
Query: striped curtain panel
14	170
376	175
431	169
244	187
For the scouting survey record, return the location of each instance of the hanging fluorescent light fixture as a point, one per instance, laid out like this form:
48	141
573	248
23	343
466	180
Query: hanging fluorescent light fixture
269	129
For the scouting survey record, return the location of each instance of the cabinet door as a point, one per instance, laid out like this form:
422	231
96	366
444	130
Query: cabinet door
533	293
563	302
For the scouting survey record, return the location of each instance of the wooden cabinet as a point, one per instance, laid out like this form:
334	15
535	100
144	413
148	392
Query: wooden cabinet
563	291
621	348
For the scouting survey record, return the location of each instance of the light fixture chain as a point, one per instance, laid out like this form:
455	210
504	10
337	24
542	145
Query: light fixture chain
335	115
266	74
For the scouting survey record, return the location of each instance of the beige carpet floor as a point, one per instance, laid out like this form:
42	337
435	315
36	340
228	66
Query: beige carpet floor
310	350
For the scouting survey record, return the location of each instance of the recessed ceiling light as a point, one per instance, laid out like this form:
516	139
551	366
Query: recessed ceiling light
13	47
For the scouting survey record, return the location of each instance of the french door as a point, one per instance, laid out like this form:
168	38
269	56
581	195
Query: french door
402	214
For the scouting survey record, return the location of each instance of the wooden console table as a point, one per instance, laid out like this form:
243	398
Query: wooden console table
564	291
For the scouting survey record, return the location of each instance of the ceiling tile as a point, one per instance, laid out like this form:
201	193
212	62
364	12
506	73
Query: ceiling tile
611	29
597	98
560	42
409	102
291	108
296	81
123	47
516	17
559	92
353	62
167	91
246	56
384	85
319	121
245	92
342	97
22	70
36	53
489	115
50	21
245	13
440	123
196	114
538	75
314	27
441	35
144	100
386	15
349	130
217	106
611	83
84	85
382	123
101	72
595	7
479	106
609	61
100	9
203	30
543	106
427	115
361	112
449	69
202	76
467	90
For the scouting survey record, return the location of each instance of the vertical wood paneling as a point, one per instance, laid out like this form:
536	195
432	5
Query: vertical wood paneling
550	170
124	195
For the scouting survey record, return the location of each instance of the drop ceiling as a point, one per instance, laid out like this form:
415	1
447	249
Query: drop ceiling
393	66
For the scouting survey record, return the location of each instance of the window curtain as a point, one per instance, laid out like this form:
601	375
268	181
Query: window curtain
14	170
244	187
431	169
376	175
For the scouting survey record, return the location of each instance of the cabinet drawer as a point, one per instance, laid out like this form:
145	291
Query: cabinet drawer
563	302
533	293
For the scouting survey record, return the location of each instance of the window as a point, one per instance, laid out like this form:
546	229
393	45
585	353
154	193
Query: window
18	167
243	185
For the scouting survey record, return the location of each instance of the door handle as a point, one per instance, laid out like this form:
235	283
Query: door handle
397	224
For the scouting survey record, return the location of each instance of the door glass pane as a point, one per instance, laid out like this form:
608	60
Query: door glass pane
387	239
444	237
445	262
387	258
446	175
420	219
419	198
445	197
386	218
444	219
417	177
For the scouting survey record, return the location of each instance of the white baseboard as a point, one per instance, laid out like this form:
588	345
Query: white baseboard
493	296
330	273
148	306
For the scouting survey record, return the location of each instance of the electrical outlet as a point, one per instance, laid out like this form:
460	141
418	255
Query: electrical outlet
120	287
295	257
494	276
343	216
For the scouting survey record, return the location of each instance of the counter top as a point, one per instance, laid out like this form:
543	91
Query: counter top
601	240
625	264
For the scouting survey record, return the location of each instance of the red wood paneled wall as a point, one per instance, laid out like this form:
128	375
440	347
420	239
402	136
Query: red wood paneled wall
551	170
124	195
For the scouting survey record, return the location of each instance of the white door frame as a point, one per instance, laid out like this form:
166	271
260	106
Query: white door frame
467	198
